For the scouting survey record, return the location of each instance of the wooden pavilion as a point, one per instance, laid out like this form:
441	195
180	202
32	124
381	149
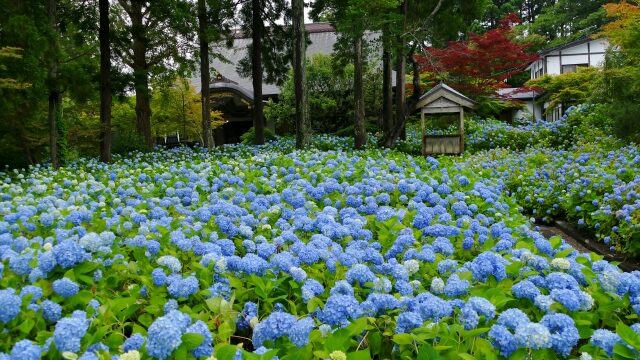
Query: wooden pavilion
441	100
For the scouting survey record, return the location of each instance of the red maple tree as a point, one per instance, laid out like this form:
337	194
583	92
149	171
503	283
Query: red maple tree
480	65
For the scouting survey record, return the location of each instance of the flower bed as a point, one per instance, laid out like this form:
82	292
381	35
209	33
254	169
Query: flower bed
598	191
314	254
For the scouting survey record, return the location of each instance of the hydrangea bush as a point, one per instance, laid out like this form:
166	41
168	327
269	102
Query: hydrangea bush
265	253
597	190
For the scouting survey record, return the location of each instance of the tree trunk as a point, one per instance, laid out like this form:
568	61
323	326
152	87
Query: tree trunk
256	70
358	93
54	86
105	83
205	76
389	139
387	91
140	73
300	75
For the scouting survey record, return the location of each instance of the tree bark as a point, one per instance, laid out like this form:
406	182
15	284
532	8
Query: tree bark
389	138
105	83
358	93
205	76
141	73
300	75
387	90
53	84
256	70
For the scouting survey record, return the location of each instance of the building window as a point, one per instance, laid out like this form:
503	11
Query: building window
566	69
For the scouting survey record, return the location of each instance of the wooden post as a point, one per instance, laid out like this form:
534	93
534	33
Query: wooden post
424	145
461	130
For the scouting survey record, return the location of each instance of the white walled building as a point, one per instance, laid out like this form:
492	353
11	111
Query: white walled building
566	59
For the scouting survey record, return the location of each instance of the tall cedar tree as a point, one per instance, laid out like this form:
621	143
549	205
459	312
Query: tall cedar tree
417	23
55	97
269	54
566	20
480	65
256	70
214	24
59	59
205	75
105	82
303	125
352	19
153	41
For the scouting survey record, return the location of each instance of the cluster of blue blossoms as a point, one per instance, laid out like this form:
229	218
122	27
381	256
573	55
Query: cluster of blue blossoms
413	242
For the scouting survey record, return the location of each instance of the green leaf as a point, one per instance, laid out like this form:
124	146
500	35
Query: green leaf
192	340
622	352
26	326
564	253
628	335
359	355
427	352
226	352
466	356
69	355
403	339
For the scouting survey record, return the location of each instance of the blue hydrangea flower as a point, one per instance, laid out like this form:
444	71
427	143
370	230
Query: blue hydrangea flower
165	334
564	334
488	264
183	288
456	287
310	289
159	277
274	326
568	298
170	305
340	309
65	287
525	289
431	307
30	290
25	350
69	332
205	348
408	321
533	336
68	254
298	274
543	302
134	342
360	274
503	340
249	311
170	262
512	318
51	311
605	340
9	305
299	333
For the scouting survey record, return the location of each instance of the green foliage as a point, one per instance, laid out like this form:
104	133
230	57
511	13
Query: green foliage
249	137
572	88
330	92
177	109
621	81
566	20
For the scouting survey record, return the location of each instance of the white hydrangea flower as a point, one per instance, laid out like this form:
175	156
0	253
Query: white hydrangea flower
131	355
560	263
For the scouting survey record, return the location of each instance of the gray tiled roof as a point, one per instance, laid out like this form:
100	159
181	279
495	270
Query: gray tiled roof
517	93
321	35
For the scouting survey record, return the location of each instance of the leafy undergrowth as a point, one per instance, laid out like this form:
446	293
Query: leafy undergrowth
265	252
